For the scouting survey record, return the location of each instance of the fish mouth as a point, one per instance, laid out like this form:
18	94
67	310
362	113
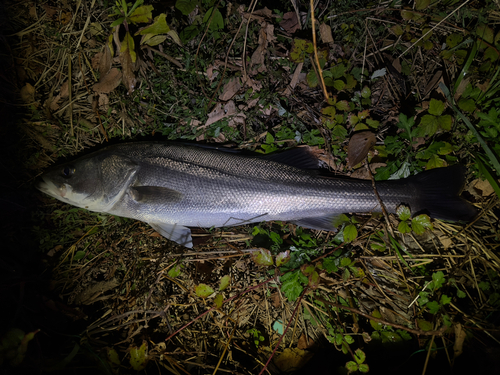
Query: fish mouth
49	188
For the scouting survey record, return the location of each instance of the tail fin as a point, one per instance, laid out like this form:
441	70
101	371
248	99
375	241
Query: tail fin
439	190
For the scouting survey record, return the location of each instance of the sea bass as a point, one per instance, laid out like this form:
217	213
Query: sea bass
175	186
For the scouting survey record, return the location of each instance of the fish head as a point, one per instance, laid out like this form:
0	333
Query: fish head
95	182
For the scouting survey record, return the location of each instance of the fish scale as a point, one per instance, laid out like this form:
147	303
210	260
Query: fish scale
175	186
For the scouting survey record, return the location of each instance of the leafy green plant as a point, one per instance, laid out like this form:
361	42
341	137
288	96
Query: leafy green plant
419	224
256	335
358	363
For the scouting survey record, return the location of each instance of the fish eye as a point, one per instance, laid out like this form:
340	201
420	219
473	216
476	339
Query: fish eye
67	171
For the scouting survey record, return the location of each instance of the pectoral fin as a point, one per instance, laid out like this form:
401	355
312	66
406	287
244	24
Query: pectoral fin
174	232
155	194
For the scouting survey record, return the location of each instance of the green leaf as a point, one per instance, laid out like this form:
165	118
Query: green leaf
486	33
142	14
189	33
224	282
453	39
359	356
80	254
339	84
376	325
445	300
403	227
282	258
128	45
186	6
159	26
366	92
350	233
343	105
175	271
403	212
445	122
351	366
262	257
422	4
436	107
467	105
428	126
217	20
203	290
424	325
364	368
435	162
138	357
339	131
338	70
218	300
433	307
291	284
438	280
312	79
330	265
420	223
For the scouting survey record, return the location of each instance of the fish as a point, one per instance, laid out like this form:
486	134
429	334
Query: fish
173	187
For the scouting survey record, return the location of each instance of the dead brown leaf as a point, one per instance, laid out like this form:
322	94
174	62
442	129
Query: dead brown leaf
219	112
28	93
363	174
230	89
128	75
109	82
325	33
359	145
292	359
460	336
290	22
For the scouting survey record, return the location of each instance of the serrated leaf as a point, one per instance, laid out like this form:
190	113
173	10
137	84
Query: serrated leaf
138	356
428	125
438	280
338	71
262	257
186	6
339	84
436	107
218	300
403	227
343	105
366	92
403	212
312	79
444	300
142	14
421	223
329	111
203	290
282	258
224	282
159	26
435	162
453	39
364	368
350	82
445	122
433	307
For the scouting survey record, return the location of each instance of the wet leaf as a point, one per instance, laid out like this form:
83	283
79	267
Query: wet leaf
359	146
138	357
403	212
420	223
262	257
203	290
282	258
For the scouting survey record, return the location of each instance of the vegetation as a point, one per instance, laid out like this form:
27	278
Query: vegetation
420	80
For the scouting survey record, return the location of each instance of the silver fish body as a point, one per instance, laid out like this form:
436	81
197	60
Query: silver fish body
173	186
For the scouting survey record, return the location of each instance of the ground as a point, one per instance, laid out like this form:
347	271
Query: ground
401	87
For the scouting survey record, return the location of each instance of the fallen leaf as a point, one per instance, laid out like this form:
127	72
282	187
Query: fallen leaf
460	336
290	22
105	61
219	112
230	89
128	57
28	93
109	82
292	359
359	145
363	174
325	33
